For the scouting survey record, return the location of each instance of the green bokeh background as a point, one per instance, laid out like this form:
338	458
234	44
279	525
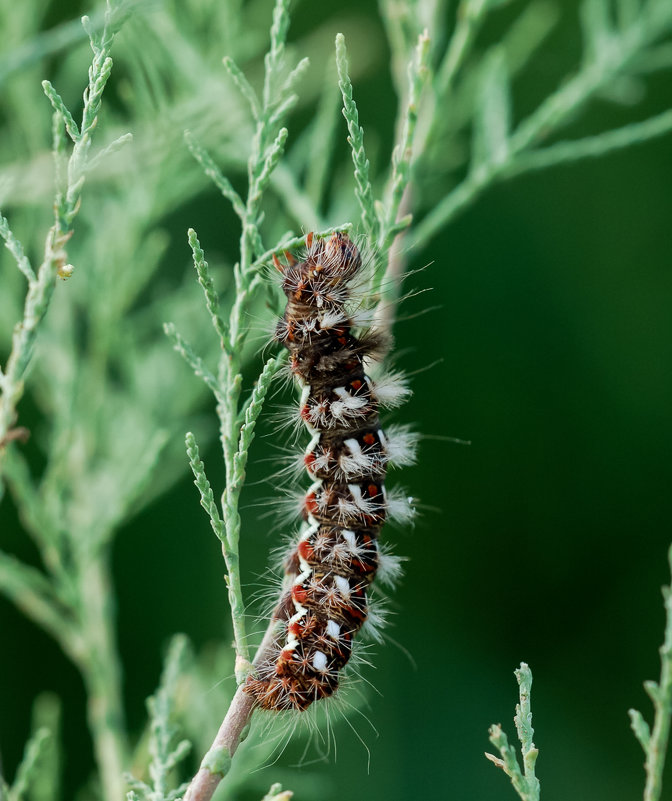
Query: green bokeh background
544	540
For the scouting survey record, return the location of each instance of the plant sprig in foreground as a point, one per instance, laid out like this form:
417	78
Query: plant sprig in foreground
525	782
655	741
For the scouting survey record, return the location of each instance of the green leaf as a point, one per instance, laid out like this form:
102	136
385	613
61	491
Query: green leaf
641	729
29	765
363	188
60	107
201	481
16	249
597	31
195	362
244	86
493	112
206	282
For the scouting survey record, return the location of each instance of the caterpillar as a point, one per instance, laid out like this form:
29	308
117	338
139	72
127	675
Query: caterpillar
328	573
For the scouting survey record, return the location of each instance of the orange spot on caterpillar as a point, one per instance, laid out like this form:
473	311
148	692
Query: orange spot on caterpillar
363	567
299	594
355	613
310	504
306	550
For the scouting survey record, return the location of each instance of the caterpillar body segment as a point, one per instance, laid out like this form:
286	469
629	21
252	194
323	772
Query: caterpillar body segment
329	571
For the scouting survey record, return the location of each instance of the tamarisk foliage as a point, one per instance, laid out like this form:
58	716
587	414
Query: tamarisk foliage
88	373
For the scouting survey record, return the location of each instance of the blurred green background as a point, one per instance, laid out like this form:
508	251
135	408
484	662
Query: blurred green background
549	347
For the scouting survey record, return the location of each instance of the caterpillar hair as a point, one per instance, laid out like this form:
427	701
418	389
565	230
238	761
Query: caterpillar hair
328	572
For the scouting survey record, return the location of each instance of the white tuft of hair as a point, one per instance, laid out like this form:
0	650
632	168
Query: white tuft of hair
401	445
363	318
400	507
375	622
332	318
390	567
391	390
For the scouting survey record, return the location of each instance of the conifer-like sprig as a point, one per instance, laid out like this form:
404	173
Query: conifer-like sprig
655	740
380	219
101	453
69	187
38	773
71	598
615	37
165	752
525	782
27	768
363	190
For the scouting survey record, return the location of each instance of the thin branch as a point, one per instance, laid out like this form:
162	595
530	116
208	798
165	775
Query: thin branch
235	726
655	742
356	139
525	783
31	591
593	146
66	207
217	761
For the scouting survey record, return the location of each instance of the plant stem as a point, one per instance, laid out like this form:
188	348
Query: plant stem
471	14
655	742
36	304
217	762
552	114
655	758
525	783
102	675
66	207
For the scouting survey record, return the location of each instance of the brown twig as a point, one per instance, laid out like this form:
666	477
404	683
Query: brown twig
18	434
217	761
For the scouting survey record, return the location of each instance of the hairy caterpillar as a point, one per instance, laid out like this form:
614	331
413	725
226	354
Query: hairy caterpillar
329	571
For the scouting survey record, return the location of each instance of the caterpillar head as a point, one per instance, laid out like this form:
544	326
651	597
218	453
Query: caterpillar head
320	281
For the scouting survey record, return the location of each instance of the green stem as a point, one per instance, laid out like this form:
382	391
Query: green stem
526	785
102	675
40	291
66	207
231	383
551	115
263	159
471	14
662	699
